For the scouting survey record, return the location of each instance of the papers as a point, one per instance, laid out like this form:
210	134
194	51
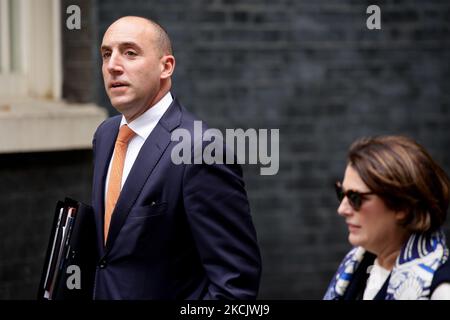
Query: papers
72	243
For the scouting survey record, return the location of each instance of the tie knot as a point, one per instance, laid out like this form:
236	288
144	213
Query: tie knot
125	134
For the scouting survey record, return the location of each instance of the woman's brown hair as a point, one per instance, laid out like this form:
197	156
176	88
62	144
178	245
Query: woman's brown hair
404	175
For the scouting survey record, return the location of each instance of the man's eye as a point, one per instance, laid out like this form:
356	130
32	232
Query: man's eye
130	53
106	55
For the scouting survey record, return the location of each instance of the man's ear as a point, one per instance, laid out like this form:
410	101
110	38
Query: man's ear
167	66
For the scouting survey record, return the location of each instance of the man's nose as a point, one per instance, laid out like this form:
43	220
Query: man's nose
114	65
345	209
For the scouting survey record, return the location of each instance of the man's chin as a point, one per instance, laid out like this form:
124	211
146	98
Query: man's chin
121	104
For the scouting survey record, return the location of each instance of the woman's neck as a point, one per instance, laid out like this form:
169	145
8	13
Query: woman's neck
388	255
386	260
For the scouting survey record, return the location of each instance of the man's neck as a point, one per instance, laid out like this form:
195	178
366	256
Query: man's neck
158	98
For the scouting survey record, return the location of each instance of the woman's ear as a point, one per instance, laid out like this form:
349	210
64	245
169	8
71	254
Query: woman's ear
401	216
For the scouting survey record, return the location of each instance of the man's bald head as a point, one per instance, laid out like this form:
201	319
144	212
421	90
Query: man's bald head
137	64
161	38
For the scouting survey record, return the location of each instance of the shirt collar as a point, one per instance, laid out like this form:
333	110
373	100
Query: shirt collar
144	124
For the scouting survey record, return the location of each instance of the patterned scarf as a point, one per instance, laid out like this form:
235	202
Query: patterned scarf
412	274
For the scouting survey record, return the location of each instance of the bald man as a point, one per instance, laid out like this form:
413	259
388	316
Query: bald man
164	230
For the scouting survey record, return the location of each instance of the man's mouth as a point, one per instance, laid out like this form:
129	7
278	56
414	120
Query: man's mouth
118	84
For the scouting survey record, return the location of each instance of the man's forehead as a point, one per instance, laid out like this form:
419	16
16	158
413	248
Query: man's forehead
130	30
132	20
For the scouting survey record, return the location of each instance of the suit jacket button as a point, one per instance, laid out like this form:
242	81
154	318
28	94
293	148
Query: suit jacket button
102	264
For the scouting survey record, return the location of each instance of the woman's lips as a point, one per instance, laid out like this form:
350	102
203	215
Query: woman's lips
353	227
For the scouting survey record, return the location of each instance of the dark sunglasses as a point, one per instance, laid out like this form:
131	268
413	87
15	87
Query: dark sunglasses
355	198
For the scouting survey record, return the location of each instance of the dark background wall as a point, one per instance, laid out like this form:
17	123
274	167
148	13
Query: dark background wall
79	50
30	185
309	68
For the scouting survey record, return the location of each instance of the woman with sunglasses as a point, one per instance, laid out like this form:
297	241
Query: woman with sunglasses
394	200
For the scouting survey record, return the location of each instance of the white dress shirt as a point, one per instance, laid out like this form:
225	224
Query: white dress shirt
142	126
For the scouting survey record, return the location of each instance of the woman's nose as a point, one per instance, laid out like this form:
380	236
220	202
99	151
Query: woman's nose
345	208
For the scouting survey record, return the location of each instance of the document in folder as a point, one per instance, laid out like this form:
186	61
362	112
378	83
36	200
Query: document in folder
69	265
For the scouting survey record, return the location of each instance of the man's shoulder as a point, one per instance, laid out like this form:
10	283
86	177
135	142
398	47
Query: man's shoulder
188	119
109	124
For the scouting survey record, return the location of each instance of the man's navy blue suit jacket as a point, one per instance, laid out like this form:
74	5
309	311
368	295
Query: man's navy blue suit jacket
177	231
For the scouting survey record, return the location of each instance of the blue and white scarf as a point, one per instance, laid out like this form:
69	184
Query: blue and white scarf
412	274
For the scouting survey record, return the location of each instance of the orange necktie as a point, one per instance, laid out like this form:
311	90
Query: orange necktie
115	176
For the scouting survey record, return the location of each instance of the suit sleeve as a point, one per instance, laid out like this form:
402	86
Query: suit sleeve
94	150
94	140
219	216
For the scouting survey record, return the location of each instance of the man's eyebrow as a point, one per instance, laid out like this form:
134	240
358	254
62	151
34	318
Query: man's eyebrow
129	44
122	45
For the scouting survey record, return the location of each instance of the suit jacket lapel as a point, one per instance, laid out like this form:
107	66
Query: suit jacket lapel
148	157
104	150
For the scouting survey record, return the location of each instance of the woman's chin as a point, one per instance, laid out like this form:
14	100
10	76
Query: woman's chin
354	240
